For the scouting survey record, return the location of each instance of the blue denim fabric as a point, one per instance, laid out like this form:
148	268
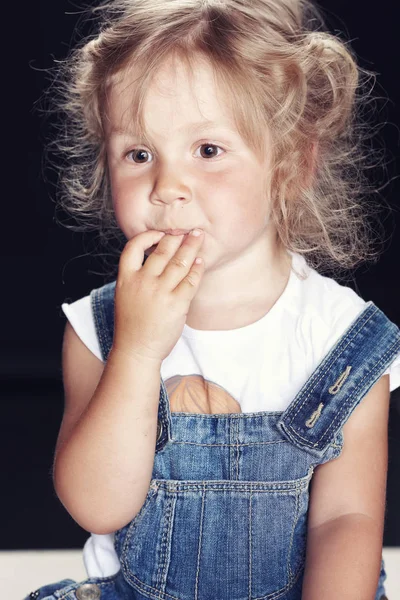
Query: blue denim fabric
94	588
225	516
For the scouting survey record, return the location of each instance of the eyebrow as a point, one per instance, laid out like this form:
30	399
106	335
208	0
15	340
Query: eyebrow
205	125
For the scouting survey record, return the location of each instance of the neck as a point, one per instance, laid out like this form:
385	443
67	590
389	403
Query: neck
221	303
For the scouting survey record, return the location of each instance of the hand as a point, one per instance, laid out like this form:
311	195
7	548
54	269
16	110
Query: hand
152	300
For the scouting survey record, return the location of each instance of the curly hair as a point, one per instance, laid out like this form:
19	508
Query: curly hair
279	70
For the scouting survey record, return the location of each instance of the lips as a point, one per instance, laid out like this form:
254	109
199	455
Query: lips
175	231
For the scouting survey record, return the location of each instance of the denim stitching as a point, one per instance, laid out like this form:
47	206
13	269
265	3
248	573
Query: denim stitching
237	449
103	315
237	486
166	541
99	321
250	564
279	593
148	590
259	414
282	591
93	297
296	514
315	416
154	486
342	411
321	374
230	445
340	381
196	588
336	354
348	400
109	333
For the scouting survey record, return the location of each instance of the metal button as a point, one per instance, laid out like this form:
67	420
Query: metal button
159	430
88	591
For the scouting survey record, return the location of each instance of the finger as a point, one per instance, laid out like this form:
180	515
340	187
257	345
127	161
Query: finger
132	256
181	262
162	254
189	285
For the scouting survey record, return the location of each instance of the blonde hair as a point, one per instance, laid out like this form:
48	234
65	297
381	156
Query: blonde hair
280	72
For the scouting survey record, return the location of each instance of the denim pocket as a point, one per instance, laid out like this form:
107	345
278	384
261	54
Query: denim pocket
221	539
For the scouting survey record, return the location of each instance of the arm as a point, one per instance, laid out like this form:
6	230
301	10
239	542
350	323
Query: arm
347	507
105	451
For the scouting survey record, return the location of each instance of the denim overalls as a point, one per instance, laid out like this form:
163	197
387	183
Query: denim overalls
225	516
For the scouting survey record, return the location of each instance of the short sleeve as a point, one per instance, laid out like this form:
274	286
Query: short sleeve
394	373
80	315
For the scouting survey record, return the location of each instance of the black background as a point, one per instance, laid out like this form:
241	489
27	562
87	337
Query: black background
45	264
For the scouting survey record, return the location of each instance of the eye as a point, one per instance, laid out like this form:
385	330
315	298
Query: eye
138	152
141	153
209	147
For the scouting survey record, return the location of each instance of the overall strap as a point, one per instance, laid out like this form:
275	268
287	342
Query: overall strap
102	302
341	380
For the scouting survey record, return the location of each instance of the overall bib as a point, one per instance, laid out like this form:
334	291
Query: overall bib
225	516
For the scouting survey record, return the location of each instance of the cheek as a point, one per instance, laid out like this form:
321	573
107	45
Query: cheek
127	211
119	203
239	198
119	213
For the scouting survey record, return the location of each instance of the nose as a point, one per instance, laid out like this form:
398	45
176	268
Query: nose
170	186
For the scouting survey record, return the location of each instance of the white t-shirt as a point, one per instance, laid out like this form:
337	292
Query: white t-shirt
272	359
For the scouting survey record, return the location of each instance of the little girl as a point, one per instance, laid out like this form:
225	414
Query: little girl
226	404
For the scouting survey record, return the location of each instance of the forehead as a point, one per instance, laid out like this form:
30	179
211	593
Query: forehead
175	98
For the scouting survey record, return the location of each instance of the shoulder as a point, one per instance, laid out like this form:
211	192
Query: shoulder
330	303
326	310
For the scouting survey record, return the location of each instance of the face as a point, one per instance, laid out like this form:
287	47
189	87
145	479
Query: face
195	174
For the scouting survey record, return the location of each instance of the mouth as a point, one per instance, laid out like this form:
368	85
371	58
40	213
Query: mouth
175	231
169	232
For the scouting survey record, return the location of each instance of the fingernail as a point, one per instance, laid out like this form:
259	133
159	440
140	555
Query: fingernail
196	232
